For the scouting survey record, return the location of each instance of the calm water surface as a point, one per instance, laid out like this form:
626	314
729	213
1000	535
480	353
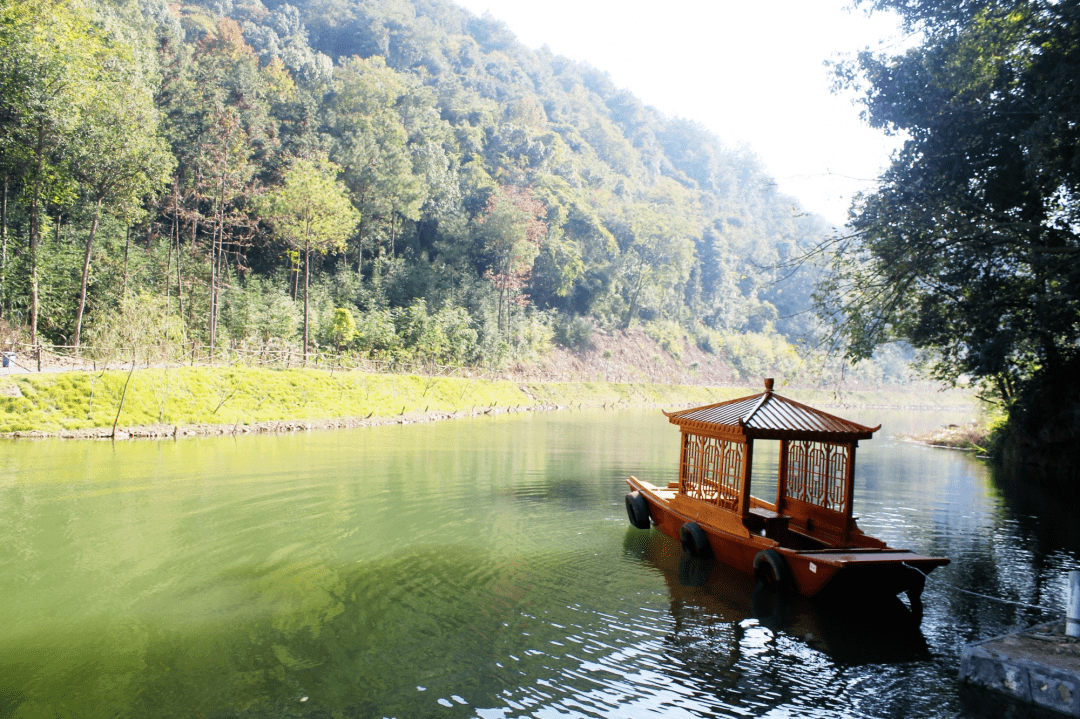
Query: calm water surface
476	568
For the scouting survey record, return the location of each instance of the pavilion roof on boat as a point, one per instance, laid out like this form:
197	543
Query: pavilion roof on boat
769	416
816	464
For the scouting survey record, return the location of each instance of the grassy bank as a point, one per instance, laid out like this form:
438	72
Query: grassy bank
195	400
975	436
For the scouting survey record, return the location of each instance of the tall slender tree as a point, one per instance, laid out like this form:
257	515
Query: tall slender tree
311	211
511	231
117	153
50	55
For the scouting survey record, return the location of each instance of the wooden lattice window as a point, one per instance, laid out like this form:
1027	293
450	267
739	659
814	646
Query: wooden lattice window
817	474
712	470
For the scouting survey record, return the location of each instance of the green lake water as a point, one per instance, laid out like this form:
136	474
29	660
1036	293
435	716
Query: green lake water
474	568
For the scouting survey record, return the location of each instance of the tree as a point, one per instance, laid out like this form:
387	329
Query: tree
50	52
215	99
656	255
117	154
311	211
511	232
371	141
969	247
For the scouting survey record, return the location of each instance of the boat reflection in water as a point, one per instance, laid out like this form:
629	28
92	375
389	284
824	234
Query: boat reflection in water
711	600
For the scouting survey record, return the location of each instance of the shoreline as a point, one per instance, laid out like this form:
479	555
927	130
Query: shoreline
971	437
164	431
201	402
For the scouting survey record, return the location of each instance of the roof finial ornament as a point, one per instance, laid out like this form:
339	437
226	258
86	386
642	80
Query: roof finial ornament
768	384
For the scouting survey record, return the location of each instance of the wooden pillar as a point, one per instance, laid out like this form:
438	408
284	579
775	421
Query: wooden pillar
682	462
849	493
781	479
748	469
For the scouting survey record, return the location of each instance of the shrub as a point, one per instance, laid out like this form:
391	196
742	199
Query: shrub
342	328
376	334
573	332
668	334
459	337
141	325
757	355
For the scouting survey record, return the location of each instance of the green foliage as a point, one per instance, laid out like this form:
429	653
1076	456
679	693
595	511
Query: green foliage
376	333
343	327
966	250
445	337
141	327
668	335
510	233
573	332
656	254
379	120
382	159
530	338
757	355
311	209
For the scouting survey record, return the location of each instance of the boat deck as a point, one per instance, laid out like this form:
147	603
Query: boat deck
854	555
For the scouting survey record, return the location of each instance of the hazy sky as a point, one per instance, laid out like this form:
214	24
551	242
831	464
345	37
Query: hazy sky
752	72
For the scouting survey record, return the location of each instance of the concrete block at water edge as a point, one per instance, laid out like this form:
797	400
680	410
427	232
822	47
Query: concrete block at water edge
1038	666
979	665
1055	690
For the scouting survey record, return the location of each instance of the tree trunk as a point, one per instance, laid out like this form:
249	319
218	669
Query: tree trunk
127	248
168	265
634	296
215	249
213	291
502	303
307	275
360	241
3	246
391	234
85	276
179	284
35	230
296	278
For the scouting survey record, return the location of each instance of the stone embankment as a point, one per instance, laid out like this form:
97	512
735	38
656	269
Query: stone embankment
1039	666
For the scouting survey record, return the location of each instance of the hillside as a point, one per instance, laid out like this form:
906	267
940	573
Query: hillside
497	196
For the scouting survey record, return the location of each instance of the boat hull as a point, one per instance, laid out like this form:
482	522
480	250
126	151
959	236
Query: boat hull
839	572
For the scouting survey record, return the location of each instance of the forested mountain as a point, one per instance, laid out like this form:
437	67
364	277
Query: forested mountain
388	176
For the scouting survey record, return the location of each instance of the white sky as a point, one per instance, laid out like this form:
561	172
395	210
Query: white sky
751	72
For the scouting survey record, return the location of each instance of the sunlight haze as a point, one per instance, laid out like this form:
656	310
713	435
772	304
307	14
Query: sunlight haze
752	73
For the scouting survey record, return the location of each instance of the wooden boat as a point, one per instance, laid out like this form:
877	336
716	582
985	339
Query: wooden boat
806	541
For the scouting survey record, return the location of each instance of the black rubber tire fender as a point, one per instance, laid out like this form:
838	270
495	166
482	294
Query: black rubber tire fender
637	509
694	541
771	570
